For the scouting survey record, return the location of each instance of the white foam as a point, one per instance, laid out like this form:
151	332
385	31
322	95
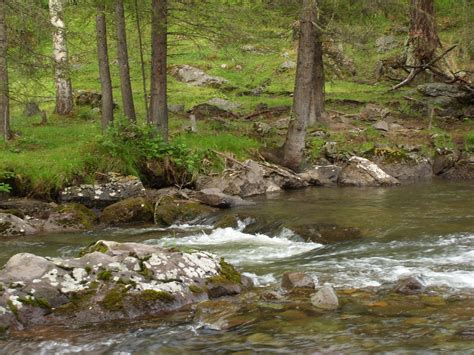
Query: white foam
243	248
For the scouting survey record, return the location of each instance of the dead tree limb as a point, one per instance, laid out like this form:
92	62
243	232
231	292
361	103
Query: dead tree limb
415	70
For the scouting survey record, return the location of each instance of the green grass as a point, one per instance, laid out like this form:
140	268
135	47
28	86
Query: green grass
66	150
469	141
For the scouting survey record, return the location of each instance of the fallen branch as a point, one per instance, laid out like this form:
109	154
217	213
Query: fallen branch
225	156
415	70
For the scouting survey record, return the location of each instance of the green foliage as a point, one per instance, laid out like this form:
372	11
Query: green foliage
316	147
469	141
130	146
442	139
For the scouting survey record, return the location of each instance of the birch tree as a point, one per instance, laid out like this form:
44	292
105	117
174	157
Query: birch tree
64	97
4	100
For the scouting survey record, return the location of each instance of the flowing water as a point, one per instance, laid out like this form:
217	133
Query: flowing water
422	229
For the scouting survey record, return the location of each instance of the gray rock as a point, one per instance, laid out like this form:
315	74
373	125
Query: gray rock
100	195
362	172
282	123
292	280
27	207
110	281
224	104
215	198
69	218
170	210
11	226
325	298
322	175
441	89
196	77
331	150
262	128
326	233
288	65
443	162
177	108
415	169
410	286
25	267
372	112
381	126
386	43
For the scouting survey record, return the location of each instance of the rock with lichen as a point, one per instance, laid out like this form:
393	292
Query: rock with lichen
102	194
109	281
11	226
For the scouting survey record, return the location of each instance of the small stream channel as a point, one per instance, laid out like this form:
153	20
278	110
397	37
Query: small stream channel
420	229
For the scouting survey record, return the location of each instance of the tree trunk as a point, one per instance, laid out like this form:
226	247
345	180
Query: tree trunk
158	101
317	113
124	68
4	100
423	40
64	99
295	140
104	69
142	61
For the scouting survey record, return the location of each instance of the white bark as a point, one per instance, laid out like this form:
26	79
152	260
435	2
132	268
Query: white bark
64	99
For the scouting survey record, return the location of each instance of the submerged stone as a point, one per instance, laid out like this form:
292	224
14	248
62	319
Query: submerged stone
410	286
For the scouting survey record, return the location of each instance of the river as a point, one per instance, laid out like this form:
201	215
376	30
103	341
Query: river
421	229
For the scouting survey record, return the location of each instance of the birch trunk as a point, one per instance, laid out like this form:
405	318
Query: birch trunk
64	99
104	68
4	100
295	140
158	101
124	67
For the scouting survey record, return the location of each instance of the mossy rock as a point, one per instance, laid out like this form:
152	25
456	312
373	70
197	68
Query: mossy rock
170	210
131	210
96	246
70	217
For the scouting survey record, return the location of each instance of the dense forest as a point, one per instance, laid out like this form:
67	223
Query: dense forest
236	176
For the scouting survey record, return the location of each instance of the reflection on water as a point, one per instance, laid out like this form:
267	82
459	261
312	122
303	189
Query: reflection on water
425	229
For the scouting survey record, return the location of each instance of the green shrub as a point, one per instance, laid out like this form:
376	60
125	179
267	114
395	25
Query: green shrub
130	147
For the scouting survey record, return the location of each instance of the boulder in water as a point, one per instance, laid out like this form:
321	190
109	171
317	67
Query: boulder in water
100	195
215	198
362	172
109	281
131	210
171	210
292	280
12	226
325	298
324	175
410	286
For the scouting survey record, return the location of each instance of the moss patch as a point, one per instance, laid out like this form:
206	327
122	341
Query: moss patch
227	274
98	246
113	299
152	296
104	275
195	289
36	302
